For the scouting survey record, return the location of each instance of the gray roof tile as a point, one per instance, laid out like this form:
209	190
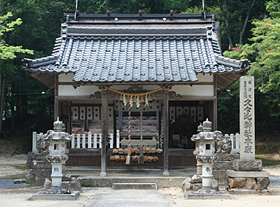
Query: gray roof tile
131	54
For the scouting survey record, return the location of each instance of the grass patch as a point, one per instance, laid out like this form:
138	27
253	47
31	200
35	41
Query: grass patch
267	162
268	148
22	144
16	176
19	166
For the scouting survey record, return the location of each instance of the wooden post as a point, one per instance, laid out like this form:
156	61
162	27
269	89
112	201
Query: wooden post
55	97
104	132
34	142
165	131
215	105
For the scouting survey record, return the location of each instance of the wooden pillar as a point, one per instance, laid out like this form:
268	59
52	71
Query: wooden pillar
215	105
120	121
165	131
69	130
55	97
104	119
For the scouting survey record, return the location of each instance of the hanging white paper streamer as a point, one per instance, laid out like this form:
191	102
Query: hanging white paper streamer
146	100
124	100
131	101
138	102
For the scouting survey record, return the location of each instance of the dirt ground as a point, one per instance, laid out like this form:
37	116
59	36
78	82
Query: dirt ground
22	196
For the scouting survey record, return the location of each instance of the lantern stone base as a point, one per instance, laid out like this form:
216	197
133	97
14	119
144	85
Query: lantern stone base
56	193
73	196
207	193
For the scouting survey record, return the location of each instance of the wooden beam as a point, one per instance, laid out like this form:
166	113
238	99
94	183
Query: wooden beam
194	98
104	118
165	131
68	98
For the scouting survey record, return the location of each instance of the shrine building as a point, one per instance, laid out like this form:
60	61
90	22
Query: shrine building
106	68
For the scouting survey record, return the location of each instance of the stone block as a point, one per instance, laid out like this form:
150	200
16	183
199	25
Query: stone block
215	184
251	184
42	165
186	185
251	165
47	184
237	182
236	156
41	156
120	186
196	186
196	179
225	157
221	177
73	196
207	195
263	183
39	181
30	158
223	165
73	185
43	173
247	174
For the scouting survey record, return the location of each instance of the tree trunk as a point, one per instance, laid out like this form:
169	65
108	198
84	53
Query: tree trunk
2	102
13	110
245	23
226	19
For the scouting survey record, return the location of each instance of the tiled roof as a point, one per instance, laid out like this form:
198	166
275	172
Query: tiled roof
134	53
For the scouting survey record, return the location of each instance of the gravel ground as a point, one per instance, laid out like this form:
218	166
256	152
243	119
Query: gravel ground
21	196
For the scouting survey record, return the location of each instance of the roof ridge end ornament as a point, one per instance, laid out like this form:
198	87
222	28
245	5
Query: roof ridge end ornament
108	12
140	12
171	12
76	10
203	10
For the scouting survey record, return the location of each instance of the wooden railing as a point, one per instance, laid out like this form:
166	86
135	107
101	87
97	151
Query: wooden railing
90	140
235	142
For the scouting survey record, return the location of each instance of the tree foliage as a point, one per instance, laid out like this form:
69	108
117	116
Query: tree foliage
8	51
264	53
40	26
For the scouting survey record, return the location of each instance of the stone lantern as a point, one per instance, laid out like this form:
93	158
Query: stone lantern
196	152
57	139
206	156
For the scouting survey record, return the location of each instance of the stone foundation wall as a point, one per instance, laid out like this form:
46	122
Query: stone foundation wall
39	168
249	183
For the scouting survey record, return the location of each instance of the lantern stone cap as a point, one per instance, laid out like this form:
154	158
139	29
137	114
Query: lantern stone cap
58	126
205	134
207	125
200	128
58	134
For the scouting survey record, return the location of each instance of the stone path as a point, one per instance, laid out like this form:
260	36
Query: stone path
130	198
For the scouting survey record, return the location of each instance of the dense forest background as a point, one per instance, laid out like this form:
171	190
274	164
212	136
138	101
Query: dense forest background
249	29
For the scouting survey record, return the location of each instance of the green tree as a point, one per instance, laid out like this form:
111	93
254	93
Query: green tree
264	54
7	52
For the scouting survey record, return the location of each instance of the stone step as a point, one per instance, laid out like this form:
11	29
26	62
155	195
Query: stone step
161	182
139	186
